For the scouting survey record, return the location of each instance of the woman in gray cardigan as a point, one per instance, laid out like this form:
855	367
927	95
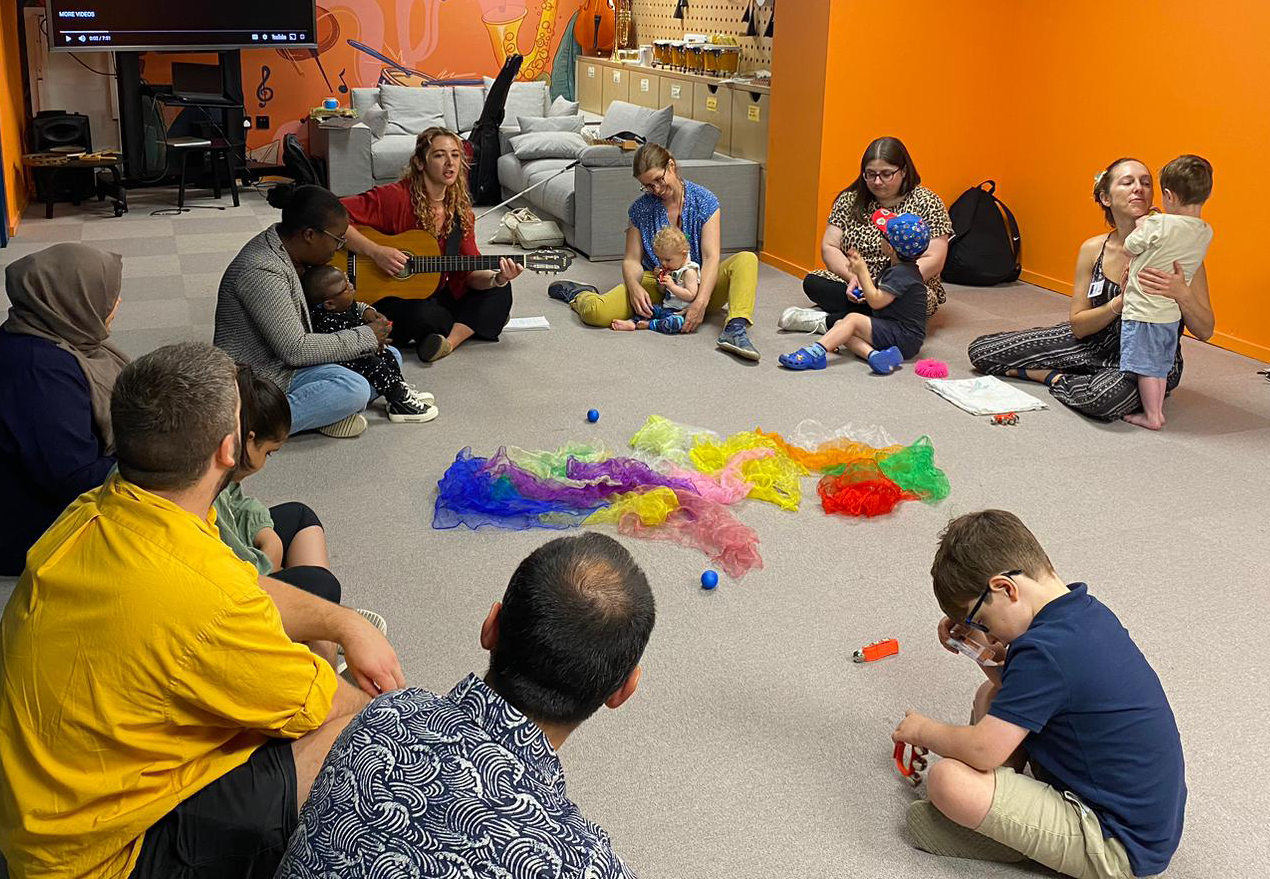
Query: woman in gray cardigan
262	318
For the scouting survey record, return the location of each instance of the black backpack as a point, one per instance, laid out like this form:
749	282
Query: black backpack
984	249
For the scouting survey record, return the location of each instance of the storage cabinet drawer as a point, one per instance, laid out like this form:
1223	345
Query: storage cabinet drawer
749	124
677	93
713	104
590	86
646	90
617	85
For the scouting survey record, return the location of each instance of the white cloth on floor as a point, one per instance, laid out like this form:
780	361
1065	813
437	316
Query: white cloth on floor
985	395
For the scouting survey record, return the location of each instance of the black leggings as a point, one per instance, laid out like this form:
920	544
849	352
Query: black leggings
290	519
831	297
485	311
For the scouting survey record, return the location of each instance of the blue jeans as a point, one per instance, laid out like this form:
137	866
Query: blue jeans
322	395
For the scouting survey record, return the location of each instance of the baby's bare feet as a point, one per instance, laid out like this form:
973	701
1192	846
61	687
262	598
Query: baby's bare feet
622	325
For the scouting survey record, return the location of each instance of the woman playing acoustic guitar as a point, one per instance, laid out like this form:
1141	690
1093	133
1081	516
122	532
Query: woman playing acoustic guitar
432	195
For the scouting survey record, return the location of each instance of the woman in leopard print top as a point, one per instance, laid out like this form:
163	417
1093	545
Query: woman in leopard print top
888	180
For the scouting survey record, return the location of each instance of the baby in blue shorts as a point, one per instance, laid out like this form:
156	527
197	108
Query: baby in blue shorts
1150	324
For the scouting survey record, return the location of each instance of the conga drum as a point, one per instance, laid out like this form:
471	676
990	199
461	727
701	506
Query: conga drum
678	58
696	58
711	59
729	60
661	53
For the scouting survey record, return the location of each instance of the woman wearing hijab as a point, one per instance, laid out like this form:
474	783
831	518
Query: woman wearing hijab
57	370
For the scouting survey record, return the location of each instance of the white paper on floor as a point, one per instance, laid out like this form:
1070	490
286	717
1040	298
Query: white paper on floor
528	323
987	395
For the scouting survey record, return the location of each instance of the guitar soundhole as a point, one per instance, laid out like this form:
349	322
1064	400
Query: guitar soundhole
404	274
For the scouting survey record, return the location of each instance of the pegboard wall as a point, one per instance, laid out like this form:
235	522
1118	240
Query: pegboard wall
655	20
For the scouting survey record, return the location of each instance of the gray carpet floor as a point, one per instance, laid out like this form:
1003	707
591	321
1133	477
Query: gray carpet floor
755	747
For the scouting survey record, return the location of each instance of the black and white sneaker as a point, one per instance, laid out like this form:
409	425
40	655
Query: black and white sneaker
409	410
423	398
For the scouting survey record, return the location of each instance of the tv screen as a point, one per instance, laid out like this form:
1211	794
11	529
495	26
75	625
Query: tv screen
140	25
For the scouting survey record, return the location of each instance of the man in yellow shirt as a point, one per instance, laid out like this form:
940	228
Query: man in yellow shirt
159	712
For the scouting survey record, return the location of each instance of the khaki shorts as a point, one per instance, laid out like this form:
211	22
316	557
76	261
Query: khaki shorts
1053	828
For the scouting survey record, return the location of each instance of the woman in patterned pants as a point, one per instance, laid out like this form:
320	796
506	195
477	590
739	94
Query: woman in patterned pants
1079	361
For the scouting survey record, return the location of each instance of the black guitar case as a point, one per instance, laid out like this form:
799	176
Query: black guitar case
483	141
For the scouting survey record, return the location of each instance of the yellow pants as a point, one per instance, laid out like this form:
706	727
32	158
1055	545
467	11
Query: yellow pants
737	285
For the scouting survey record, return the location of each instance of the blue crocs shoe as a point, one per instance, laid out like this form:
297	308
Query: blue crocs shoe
810	357
886	361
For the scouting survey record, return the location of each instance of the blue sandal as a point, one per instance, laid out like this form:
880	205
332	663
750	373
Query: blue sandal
804	358
886	361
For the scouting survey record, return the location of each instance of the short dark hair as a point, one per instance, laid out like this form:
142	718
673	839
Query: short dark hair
305	207
171	408
263	408
318	283
892	151
976	547
576	617
1188	177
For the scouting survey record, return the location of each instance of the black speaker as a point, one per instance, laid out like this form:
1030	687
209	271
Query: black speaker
56	128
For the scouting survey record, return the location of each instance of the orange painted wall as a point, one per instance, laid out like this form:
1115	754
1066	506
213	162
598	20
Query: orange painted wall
1040	97
12	114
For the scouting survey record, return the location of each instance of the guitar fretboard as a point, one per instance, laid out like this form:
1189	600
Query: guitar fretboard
429	265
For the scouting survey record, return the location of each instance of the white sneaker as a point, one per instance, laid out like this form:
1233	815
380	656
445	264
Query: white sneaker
346	428
797	319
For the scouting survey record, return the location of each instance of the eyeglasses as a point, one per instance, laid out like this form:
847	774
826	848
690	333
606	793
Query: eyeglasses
657	184
341	241
983	596
881	176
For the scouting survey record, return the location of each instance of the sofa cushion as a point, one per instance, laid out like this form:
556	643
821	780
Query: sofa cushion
529	124
690	139
652	125
469	100
524	98
363	99
511	173
389	155
557	198
411	110
561	106
548	145
376	119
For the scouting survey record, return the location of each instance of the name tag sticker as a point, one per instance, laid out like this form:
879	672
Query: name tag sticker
1095	289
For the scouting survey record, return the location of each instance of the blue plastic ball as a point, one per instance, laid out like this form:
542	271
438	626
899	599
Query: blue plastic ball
593	416
709	580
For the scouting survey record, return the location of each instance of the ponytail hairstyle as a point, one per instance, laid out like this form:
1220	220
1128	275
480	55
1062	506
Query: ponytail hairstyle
265	412
892	151
458	199
305	207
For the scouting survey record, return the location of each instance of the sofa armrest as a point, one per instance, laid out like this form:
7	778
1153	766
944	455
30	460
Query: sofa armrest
607	156
736	183
346	152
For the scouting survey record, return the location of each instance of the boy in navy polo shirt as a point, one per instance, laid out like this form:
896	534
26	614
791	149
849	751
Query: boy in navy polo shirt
1075	698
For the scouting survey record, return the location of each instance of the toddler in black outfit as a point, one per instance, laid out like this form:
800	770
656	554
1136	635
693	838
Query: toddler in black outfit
333	307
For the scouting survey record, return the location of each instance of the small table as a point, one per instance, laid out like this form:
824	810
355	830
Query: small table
49	164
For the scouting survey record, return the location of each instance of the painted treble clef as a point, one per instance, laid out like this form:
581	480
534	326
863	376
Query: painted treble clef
264	93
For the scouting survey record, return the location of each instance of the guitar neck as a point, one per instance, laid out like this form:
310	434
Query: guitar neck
431	265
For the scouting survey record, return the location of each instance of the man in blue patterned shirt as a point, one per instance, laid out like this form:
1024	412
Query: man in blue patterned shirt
469	784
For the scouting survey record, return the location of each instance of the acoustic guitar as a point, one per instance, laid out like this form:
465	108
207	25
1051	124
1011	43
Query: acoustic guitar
421	276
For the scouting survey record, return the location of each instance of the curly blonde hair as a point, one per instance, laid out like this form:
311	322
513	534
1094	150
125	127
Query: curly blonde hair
458	200
670	239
